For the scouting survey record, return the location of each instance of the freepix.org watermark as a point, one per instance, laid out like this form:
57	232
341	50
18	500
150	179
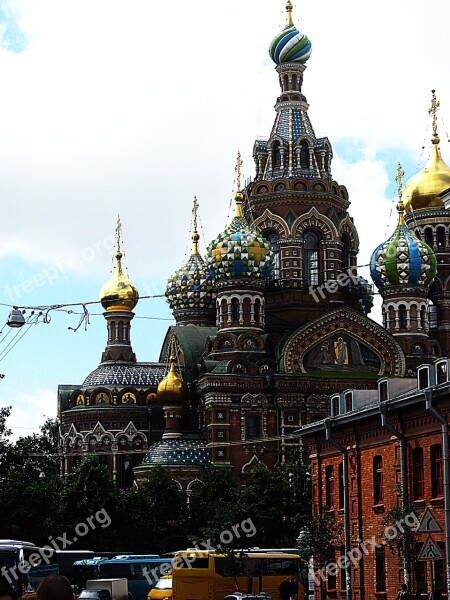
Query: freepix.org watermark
318	292
244	529
353	556
45	553
51	274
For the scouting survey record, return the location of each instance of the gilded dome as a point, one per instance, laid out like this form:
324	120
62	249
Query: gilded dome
403	259
423	189
239	252
172	389
118	293
290	45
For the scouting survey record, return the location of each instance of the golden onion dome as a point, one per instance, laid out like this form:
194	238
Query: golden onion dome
423	189
171	389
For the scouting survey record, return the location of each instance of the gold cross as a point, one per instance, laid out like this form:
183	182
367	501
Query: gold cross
194	212
435	104
118	232
238	172
289	12
399	180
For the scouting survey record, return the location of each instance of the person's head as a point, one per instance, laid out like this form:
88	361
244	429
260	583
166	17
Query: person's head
55	587
7	593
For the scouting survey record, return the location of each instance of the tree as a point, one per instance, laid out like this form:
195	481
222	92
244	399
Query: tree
320	536
88	506
399	534
153	517
213	506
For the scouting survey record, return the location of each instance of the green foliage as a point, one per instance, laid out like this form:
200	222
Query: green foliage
403	544
153	516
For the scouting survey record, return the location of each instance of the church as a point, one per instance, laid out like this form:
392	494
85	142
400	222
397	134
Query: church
274	319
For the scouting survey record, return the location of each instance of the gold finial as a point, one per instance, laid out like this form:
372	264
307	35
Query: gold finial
399	180
289	12
118	234
239	197
435	104
195	235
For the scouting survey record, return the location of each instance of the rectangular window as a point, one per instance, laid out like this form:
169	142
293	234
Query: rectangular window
383	391
418	474
348	402
437	483
423	378
378	495
380	569
343	570
341	485
329	487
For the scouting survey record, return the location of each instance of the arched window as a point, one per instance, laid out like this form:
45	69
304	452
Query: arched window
223	312
304	155
234	309
294	82
437	479
329	487
311	253
286	83
345	258
440	231
402	316
417	474
252	426
423	317
378	492
120	331
113	331
429	236
276	155
257	311
274	240
380	569
341	485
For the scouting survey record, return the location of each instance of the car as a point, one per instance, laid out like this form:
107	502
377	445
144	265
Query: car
162	589
94	595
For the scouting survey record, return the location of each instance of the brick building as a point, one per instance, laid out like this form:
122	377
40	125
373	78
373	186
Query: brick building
393	446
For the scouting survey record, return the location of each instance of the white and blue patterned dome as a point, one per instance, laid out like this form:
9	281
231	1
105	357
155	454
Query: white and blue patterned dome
240	252
290	45
403	259
179	451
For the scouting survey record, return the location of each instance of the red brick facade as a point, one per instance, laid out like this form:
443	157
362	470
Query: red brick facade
374	481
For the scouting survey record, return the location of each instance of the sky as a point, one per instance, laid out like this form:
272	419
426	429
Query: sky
133	107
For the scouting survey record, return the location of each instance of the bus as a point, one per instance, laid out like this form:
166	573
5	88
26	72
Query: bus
207	575
85	568
23	566
142	572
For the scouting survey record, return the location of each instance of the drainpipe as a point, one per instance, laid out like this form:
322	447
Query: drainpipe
344	451
404	475
437	415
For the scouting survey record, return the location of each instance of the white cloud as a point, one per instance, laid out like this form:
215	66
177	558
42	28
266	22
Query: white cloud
30	411
138	108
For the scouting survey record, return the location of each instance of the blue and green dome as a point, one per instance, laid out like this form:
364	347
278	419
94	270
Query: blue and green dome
239	252
192	286
290	45
403	259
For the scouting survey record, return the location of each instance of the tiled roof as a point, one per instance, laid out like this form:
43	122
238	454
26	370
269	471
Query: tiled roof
140	374
177	452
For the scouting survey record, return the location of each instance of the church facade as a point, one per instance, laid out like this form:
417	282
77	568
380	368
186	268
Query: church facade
274	320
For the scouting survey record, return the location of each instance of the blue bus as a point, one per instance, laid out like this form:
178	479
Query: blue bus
142	572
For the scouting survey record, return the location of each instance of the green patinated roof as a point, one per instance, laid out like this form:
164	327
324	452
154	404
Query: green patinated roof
192	341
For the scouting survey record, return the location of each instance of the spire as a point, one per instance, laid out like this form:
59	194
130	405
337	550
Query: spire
239	197
118	234
400	205
435	104
289	13
195	235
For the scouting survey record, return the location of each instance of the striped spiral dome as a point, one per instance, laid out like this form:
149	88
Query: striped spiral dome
290	46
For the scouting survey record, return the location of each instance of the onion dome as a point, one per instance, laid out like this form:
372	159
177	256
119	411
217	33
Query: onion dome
192	286
240	252
118	293
423	189
290	45
172	389
403	259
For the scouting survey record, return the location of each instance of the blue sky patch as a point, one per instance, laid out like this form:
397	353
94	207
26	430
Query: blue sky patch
11	37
